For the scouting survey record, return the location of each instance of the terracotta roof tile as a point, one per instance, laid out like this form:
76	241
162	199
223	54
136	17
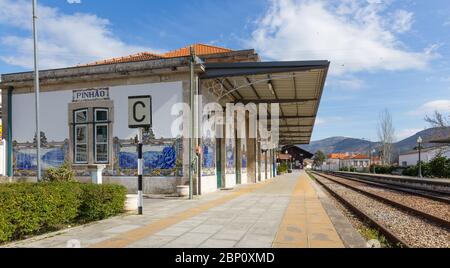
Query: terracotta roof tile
360	156
131	58
200	49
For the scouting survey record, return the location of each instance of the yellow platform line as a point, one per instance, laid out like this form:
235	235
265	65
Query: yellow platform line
127	238
305	223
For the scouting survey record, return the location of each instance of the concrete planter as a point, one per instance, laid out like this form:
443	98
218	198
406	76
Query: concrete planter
183	190
131	202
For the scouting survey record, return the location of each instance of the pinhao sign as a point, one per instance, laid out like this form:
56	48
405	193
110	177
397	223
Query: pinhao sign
90	94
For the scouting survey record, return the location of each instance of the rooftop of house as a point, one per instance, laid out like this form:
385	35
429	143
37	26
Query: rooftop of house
207	52
429	149
351	156
284	156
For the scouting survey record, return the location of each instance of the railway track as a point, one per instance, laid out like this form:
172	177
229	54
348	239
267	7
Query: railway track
435	195
402	217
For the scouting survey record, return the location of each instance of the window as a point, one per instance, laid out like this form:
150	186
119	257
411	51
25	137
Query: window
101	144
81	137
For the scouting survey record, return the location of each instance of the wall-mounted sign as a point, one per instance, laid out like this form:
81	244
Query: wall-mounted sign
139	111
91	94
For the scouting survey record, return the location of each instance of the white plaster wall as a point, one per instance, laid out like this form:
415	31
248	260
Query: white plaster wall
164	95
53	116
54	109
209	184
230	180
412	159
244	178
263	173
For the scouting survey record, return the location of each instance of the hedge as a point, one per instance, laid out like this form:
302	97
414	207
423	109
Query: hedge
33	208
101	202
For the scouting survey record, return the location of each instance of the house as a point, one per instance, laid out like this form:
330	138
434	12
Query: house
84	117
337	161
411	158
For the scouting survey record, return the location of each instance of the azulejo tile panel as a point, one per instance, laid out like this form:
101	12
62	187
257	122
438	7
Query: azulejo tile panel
230	166
162	158
53	155
209	157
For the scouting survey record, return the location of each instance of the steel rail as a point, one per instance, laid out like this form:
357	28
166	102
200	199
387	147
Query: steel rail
437	196
361	214
431	218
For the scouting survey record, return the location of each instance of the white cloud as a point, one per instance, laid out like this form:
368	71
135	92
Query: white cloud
406	133
64	39
402	21
354	35
328	120
350	83
74	1
442	106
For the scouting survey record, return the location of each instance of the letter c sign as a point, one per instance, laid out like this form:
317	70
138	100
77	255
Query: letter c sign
139	111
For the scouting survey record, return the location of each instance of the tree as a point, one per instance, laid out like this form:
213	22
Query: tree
438	120
441	124
319	158
386	135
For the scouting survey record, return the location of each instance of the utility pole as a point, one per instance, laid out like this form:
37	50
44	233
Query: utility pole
36	89
191	132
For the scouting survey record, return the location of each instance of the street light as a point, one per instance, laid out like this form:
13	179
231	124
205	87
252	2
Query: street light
374	167
419	147
36	92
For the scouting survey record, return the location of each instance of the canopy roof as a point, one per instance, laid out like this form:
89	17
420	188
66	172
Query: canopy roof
296	85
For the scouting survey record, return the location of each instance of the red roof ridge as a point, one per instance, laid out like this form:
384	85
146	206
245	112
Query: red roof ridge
200	49
212	46
131	57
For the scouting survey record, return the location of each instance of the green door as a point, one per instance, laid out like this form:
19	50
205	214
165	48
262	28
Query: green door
219	163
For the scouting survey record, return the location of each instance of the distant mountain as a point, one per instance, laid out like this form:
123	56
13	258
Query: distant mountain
344	144
339	145
427	135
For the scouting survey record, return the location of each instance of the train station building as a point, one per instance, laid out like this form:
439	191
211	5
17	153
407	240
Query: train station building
84	117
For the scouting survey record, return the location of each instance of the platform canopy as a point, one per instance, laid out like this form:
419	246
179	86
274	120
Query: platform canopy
296	85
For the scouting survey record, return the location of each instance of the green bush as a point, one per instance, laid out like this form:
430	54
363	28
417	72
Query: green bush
440	167
382	169
32	208
63	173
27	208
348	169
101	202
413	171
282	168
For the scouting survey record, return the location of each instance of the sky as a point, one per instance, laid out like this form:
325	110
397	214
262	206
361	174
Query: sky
384	54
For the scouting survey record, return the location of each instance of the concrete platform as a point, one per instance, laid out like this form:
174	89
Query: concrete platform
287	211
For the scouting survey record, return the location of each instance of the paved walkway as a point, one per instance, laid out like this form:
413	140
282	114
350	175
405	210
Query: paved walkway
283	212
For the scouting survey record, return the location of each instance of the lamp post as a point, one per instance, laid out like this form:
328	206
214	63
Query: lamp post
419	147
36	92
374	167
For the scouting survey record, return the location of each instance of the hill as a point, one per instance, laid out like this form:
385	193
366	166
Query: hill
345	144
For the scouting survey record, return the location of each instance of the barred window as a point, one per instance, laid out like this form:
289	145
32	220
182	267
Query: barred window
81	137
101	129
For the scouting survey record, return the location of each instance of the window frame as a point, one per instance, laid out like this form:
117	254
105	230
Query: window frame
77	125
102	123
